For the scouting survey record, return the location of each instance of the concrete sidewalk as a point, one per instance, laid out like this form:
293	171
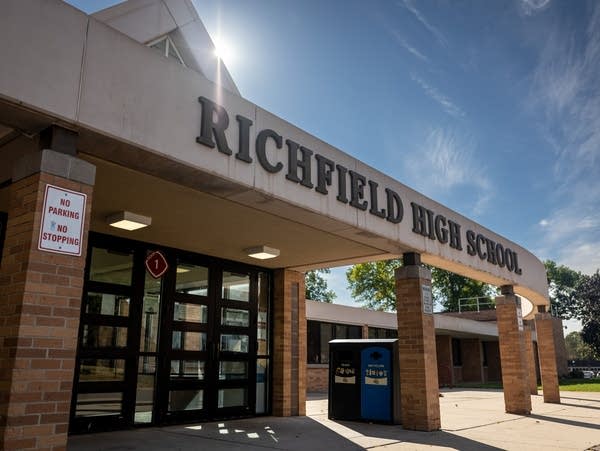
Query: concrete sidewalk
471	420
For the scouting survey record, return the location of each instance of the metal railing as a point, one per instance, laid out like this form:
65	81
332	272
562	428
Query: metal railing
476	304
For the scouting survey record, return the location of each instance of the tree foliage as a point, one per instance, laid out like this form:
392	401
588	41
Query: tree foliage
373	284
587	293
562	281
316	286
448	288
577	349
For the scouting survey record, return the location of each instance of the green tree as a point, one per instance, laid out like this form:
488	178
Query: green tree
587	293
373	285
316	286
577	349
562	281
448	288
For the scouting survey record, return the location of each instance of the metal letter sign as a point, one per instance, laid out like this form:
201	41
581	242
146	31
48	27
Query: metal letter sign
156	264
427	299
61	229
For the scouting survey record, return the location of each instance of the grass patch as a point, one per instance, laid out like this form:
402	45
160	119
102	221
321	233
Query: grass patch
581	385
585	385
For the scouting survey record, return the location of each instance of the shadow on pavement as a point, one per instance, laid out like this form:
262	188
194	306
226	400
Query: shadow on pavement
294	434
396	434
580	424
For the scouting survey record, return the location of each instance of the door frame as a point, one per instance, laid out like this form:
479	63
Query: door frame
132	353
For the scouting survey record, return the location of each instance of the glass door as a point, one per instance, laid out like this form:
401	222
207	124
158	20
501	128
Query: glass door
189	345
104	368
209	363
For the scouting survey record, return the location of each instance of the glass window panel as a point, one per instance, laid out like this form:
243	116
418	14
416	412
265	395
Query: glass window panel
111	266
262	379
149	339
235	317
97	370
107	304
192	313
235	286
262	331
192	279
233	370
98	404
95	336
232	397
144	399
185	400
187	369
325	337
234	343
189	341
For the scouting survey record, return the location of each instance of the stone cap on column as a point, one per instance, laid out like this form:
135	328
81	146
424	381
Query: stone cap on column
413	272
55	163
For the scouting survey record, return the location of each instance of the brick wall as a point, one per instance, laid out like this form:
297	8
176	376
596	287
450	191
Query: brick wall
416	345
560	348
39	320
544	324
289	344
317	378
517	398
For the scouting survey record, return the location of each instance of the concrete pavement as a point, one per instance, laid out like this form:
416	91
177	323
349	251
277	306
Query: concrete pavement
471	420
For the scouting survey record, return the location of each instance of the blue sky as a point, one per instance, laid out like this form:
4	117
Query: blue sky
489	107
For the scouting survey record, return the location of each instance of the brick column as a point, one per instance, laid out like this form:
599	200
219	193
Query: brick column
443	351
39	312
547	355
530	360
513	353
472	360
420	402
289	344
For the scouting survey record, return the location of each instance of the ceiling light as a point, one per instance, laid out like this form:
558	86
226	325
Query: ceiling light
128	221
262	252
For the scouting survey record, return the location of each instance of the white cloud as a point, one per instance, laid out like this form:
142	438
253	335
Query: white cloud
410	48
449	107
531	7
447	162
408	4
566	92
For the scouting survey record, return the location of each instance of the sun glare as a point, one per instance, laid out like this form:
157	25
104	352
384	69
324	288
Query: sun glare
224	51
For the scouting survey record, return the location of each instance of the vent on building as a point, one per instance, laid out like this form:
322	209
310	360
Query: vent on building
166	47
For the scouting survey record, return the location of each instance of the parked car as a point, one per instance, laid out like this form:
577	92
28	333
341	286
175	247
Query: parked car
588	374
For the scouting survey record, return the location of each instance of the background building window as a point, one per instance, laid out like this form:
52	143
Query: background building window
380	332
456	352
319	335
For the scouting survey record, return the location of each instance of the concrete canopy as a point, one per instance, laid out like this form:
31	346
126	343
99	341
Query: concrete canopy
137	116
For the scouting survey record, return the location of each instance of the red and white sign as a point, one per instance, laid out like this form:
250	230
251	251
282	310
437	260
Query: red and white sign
61	230
156	264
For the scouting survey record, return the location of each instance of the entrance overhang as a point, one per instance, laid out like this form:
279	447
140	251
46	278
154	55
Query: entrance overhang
139	118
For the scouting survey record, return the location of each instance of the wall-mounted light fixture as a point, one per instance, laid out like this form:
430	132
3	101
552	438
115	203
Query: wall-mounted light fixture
128	221
262	252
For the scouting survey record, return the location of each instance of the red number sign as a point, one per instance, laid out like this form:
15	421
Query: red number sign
156	264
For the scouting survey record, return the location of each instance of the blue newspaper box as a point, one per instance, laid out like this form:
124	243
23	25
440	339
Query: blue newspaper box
364	380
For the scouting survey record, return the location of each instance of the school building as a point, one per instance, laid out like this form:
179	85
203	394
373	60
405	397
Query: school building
156	227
